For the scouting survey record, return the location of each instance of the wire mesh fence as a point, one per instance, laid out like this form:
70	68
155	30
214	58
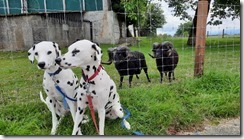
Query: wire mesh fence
21	81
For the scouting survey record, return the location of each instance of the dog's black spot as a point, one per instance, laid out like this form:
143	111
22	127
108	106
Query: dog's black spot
108	112
79	124
91	55
44	78
66	63
111	88
81	94
110	94
34	47
120	109
77	132
95	58
75	95
76	87
107	104
114	96
51	101
71	84
54	105
59	110
54	45
47	90
76	82
88	68
57	81
63	58
81	111
94	68
80	99
36	53
92	82
87	102
95	48
75	51
110	107
94	92
29	53
81	86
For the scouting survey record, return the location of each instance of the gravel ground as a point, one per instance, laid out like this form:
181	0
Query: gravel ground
225	127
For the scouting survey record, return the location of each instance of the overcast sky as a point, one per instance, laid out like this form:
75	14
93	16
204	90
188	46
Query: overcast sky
173	22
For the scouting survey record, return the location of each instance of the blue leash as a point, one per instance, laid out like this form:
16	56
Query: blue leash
126	117
66	107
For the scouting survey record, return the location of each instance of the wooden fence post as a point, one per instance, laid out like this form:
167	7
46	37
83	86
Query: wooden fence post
200	37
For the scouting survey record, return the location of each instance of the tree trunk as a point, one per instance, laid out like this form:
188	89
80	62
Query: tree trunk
192	36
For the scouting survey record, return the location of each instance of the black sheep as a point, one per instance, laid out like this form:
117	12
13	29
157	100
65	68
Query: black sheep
166	59
127	62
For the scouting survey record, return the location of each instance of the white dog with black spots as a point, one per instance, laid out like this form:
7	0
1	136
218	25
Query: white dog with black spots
95	83
59	103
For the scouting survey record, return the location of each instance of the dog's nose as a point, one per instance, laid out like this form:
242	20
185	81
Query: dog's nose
58	60
41	64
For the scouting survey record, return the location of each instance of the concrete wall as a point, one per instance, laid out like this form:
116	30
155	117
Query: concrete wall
105	27
21	32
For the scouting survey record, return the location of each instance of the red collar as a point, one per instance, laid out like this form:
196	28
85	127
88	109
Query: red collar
93	76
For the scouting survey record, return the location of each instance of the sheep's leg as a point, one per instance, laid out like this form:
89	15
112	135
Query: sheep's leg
169	76
173	74
121	81
145	70
161	77
130	79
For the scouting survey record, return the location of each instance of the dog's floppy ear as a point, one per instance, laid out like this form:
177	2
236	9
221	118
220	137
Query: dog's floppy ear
57	49
31	54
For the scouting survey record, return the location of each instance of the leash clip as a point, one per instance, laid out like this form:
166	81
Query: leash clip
87	87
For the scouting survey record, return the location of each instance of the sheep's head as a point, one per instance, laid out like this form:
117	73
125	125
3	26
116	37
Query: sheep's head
164	49
121	53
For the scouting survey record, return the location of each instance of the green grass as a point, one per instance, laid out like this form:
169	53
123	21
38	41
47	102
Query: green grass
154	107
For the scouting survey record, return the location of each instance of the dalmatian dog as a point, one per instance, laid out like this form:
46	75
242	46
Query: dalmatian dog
60	85
95	83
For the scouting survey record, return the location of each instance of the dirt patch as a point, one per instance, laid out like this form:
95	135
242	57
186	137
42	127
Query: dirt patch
229	126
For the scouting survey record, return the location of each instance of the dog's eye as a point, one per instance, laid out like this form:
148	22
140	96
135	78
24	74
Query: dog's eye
36	53
75	51
49	52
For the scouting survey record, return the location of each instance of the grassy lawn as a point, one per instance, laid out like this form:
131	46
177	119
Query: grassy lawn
154	107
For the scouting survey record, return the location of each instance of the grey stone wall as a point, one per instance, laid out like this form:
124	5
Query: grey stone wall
21	32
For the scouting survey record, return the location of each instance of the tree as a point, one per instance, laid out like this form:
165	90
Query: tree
154	19
141	13
221	9
184	29
130	11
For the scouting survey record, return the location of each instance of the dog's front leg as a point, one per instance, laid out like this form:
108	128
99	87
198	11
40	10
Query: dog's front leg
101	115
81	106
54	116
72	107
